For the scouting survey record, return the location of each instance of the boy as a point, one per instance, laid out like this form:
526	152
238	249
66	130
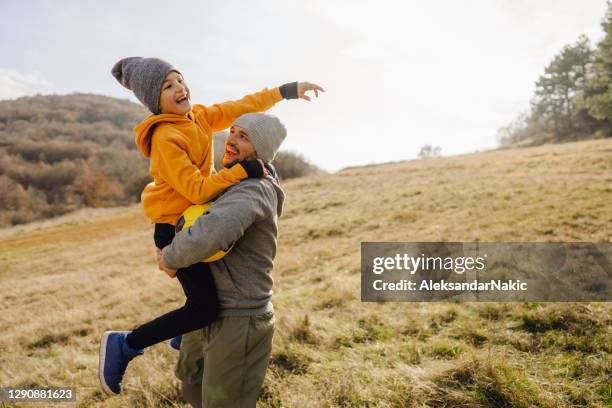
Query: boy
178	140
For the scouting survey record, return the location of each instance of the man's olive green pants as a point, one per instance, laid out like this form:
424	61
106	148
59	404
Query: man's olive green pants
225	363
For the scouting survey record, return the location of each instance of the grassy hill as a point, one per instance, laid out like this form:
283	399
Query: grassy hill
65	281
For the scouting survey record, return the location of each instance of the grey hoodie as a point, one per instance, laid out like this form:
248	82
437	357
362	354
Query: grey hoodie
247	214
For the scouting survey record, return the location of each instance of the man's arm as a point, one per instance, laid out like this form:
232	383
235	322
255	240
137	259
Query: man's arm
223	224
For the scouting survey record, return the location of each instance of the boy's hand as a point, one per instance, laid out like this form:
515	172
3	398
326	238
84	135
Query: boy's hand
162	267
304	87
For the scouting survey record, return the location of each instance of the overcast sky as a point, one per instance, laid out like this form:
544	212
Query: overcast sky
398	74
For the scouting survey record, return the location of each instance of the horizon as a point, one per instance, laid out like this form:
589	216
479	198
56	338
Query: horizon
385	69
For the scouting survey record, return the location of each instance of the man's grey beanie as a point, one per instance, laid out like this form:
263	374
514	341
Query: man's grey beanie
145	77
265	131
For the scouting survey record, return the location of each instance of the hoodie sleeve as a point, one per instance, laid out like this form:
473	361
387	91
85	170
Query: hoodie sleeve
221	115
175	167
223	224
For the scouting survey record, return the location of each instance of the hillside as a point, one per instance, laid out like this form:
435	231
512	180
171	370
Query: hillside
59	153
65	281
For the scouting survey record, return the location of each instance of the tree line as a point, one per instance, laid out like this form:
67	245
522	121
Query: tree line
573	97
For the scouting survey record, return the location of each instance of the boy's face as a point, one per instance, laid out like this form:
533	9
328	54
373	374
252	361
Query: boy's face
175	96
238	147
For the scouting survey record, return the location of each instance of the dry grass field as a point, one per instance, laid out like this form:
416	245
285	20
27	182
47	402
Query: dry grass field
65	281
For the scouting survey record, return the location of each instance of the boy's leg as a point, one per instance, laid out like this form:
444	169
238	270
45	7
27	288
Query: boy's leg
200	309
163	235
116	351
237	353
201	306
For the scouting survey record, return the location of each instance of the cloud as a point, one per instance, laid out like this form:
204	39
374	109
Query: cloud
14	84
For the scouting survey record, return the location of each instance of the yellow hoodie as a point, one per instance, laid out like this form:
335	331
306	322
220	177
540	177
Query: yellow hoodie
181	155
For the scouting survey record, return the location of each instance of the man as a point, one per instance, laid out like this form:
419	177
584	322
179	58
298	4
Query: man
224	365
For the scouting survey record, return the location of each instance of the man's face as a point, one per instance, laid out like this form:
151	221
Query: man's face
238	147
175	96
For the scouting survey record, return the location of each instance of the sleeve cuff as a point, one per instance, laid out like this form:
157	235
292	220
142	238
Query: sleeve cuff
276	95
289	90
252	167
238	171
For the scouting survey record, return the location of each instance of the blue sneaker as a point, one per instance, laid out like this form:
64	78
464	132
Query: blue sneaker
175	343
115	354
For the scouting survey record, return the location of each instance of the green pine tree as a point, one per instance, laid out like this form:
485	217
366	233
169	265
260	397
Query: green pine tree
554	104
598	91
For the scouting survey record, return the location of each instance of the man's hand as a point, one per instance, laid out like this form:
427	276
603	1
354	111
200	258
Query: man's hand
162	267
304	87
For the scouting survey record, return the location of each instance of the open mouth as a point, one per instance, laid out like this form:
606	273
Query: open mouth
182	100
230	151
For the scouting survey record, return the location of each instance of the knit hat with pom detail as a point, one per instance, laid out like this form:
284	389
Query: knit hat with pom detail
144	77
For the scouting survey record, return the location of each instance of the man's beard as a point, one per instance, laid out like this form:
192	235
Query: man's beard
229	164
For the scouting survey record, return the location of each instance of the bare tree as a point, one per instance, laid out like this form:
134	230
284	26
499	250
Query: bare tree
428	151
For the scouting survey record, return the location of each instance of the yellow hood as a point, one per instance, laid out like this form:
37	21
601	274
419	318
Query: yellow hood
144	131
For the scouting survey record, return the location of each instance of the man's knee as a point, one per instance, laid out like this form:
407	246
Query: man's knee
192	393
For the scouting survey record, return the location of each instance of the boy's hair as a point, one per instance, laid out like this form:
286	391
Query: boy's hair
145	77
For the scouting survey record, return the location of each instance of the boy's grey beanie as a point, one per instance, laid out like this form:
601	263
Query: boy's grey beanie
143	76
265	131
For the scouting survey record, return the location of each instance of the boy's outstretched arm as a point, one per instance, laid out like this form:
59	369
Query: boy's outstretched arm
221	115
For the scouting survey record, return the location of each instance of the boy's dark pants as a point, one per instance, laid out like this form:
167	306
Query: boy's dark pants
200	309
